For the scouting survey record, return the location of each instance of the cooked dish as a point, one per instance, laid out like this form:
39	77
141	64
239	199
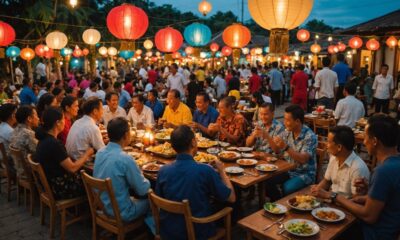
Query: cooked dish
272	207
302	228
246	162
206	143
165	149
266	167
228	155
164	134
204	157
328	215
151	167
304	202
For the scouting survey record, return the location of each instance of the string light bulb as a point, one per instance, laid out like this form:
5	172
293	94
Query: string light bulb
330	39
73	3
317	36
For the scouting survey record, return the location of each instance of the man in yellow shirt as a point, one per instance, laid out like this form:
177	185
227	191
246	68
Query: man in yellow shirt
200	75
176	113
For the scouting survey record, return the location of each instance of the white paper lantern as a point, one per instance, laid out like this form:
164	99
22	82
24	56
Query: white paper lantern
91	36
56	40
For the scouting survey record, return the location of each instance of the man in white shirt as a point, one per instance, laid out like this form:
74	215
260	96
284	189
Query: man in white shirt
8	121
143	73
140	115
19	75
84	132
113	75
344	165
41	72
349	109
91	91
326	85
176	80
112	110
383	86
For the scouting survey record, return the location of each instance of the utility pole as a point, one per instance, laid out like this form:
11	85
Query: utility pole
242	10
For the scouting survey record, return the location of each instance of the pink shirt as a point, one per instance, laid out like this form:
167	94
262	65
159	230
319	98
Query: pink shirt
84	84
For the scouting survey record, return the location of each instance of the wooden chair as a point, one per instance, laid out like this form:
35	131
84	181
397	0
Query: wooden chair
56	206
321	160
6	172
183	208
322	126
94	188
25	180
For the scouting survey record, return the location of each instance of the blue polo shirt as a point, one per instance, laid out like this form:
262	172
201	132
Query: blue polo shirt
196	182
343	72
205	119
156	107
276	79
27	96
124	98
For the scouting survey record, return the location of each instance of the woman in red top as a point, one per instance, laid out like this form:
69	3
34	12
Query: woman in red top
254	81
228	76
299	87
70	107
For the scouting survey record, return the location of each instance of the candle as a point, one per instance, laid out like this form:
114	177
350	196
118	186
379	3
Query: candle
151	138
146	138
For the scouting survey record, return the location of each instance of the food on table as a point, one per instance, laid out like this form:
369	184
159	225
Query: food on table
245	149
213	150
234	170
224	144
301	228
304	202
164	149
151	167
229	155
248	155
205	143
204	157
328	215
271	159
266	167
141	161
274	208
164	134
362	121
246	162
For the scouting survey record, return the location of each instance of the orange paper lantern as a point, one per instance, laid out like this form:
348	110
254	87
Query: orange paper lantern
77	52
303	35
355	42
236	36
214	47
332	49
27	54
85	52
41	49
168	40
342	47
315	48
373	44
48	53
226	51
189	50
391	42
176	55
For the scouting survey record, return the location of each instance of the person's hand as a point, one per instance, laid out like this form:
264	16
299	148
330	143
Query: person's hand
214	127
320	193
361	185
315	188
89	153
258	132
217	164
280	143
359	200
193	125
168	125
161	121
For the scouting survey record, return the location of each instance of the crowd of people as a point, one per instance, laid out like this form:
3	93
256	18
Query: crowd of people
66	121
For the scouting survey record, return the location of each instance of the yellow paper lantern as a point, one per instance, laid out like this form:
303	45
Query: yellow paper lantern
204	7
91	36
103	51
391	42
245	51
56	40
315	48
112	51
148	44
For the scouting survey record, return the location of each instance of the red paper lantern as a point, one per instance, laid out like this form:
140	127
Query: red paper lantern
48	52
41	49
214	47
127	22
332	49
226	51
189	50
236	36
85	52
168	40
355	42
373	44
7	34
303	35
248	57
176	55
315	48
391	42
342	47
77	52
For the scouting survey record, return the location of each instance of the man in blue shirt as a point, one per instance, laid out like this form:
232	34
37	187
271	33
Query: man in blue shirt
343	72
204	114
27	96
276	82
380	208
124	96
154	104
196	182
112	162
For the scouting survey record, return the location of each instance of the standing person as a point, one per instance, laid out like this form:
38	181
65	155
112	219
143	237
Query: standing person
234	86
219	83
349	109
124	97
19	74
176	80
343	73
155	105
91	91
112	110
288	77
70	107
140	115
27	96
276	82
326	84
383	86
152	75
200	75
41	72
143	73
254	81
192	89
299	87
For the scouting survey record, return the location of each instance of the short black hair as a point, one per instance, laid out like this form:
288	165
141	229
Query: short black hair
326	61
26	81
270	106
6	111
205	96
343	135
181	138
92	85
385	65
23	113
110	94
340	57
296	111
117	128
67	102
229	101
176	93
254	70
350	88
275	64
49	85
139	97
56	91
385	129
91	104
117	85
175	66
44	102
301	67
154	92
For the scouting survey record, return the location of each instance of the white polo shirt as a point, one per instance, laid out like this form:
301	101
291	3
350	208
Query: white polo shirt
146	116
326	80
348	111
177	82
108	115
383	86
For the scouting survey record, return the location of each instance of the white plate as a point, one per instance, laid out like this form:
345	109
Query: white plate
282	209
224	144
341	214
265	167
251	161
135	155
234	170
316	204
245	149
232	149
271	159
312	224
237	155
213	150
247	155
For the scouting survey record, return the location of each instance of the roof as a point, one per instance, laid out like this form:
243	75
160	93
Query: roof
256	40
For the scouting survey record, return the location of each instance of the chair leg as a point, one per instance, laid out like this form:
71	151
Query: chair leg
41	213
9	186
31	193
63	223
94	230
25	198
121	236
53	214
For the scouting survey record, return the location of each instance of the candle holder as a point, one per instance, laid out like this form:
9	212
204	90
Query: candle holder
148	138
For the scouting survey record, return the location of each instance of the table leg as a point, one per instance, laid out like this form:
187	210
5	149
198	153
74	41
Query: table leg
249	236
261	194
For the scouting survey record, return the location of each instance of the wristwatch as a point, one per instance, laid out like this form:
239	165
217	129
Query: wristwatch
333	197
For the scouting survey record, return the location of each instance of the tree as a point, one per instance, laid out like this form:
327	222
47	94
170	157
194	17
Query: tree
320	26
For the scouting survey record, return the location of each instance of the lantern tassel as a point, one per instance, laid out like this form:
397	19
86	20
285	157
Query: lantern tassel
279	41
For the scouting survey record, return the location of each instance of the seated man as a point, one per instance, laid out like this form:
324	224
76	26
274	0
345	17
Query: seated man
265	129
112	110
139	115
204	114
344	166
298	145
379	209
84	132
8	122
176	113
154	104
349	110
112	162
176	182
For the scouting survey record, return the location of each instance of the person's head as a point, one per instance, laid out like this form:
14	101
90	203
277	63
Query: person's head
174	68
70	106
183	140
300	67
226	106
138	102
293	117
340	140
173	98
59	93
93	86
112	100
254	70
381	132
275	64
27	115
202	101
49	86
340	57
7	113
257	98
326	61
117	86
45	101
118	131
27	82
266	113
152	95
384	69
93	107
350	88
53	119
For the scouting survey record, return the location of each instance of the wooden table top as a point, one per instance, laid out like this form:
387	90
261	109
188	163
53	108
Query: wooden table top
256	222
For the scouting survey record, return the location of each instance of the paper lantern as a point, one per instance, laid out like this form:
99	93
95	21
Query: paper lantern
341	46
168	40
13	51
214	47
226	51
391	42
91	36
149	54
203	55
126	54
76	63
332	49
245	50
112	51
253	51
77	52
7	34
85	52
127	22
48	52
103	51
259	51
303	35
373	44
158	54
236	36
189	50
218	54
176	55
355	42
56	40
205	7
266	49
41	49
148	44
66	52
197	34
139	52
27	54
315	48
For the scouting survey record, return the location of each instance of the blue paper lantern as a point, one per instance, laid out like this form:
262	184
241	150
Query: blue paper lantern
218	54
126	54
266	49
197	34
13	51
66	52
76	63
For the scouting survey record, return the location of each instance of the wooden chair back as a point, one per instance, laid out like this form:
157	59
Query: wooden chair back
94	188
41	182
323	124
321	157
21	162
5	161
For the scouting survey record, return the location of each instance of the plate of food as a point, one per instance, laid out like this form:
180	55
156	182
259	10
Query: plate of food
234	170
328	214
301	227
229	155
271	159
266	167
275	208
248	155
164	134
141	161
224	144
128	149
135	155
204	157
162	150
246	162
304	202
244	149
151	167
206	143
213	150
